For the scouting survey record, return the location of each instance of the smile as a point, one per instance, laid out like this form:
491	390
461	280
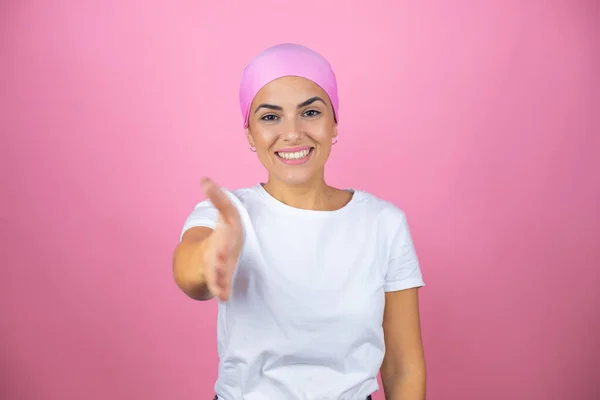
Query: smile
294	156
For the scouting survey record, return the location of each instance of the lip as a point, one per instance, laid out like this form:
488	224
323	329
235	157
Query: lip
294	149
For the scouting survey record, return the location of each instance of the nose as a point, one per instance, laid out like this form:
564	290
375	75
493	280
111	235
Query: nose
292	131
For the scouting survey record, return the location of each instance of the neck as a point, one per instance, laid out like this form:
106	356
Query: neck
314	195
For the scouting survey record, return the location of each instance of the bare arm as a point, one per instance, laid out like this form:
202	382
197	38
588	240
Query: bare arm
205	260
188	263
403	371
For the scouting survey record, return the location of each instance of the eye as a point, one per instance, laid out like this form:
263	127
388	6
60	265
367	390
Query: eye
269	117
311	113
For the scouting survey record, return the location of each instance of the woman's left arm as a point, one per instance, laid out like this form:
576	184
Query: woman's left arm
403	371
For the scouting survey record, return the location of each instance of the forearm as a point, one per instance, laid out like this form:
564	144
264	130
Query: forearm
188	269
408	385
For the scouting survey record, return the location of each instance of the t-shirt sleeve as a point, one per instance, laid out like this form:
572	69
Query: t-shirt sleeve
203	214
404	270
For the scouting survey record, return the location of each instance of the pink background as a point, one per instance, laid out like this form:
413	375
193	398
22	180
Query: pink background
476	117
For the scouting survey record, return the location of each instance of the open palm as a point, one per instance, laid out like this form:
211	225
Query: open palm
225	243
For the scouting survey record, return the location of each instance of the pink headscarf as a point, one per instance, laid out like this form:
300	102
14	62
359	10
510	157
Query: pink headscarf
286	59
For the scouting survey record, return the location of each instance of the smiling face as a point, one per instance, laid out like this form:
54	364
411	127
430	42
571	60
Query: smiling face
292	125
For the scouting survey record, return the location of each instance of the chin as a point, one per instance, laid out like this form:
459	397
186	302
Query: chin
296	178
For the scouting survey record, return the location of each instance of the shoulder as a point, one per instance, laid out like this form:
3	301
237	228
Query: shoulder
205	214
243	193
239	197
245	196
382	209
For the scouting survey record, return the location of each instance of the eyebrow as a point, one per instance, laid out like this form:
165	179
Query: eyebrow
303	104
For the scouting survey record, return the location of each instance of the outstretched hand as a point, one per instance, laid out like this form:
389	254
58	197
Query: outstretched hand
224	245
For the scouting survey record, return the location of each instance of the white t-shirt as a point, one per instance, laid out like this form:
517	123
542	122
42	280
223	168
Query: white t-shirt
304	319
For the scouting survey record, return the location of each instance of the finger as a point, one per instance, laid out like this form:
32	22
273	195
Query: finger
214	289
222	273
213	272
223	283
212	286
224	295
220	278
219	199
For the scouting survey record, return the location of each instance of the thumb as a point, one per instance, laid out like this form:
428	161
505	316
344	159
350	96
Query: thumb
219	200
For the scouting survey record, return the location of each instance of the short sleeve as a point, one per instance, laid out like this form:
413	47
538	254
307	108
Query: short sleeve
404	270
203	214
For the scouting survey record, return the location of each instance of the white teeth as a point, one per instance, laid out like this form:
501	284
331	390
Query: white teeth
294	155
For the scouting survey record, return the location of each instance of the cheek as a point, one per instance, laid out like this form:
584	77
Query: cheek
325	150
323	135
264	138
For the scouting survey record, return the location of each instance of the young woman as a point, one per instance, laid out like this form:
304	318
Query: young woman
316	286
